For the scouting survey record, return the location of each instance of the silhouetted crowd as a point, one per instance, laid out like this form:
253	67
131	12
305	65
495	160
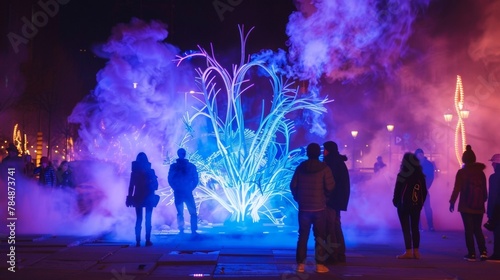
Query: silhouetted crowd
321	190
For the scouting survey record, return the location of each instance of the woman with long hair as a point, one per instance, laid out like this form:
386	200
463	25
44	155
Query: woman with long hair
410	193
141	194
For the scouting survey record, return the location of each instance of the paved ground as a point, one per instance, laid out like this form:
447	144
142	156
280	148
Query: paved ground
214	255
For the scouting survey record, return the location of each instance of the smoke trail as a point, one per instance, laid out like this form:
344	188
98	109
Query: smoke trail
345	39
137	104
487	47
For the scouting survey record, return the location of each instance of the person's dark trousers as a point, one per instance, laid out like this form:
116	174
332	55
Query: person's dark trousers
138	223
496	241
409	219
472	228
340	238
188	199
317	220
428	213
335	243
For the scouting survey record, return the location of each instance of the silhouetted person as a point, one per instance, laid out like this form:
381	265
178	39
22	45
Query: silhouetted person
46	173
470	183
12	154
428	169
65	177
29	167
183	178
337	201
141	194
409	195
493	208
379	164
312	181
12	164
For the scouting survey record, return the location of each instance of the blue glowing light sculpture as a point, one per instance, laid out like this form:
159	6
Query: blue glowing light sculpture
249	168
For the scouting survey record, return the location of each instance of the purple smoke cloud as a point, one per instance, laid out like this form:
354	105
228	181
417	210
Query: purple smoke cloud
344	39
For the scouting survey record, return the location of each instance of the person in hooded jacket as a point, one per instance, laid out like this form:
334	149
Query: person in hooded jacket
183	178
141	194
470	183
311	183
428	169
409	197
337	201
493	207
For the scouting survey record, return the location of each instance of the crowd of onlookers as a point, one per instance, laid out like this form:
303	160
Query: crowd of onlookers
47	174
321	190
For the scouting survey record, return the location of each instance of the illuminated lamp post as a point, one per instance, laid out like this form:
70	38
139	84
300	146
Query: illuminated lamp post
448	118
460	140
390	128
354	134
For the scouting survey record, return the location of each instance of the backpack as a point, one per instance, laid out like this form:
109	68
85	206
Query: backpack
412	195
474	195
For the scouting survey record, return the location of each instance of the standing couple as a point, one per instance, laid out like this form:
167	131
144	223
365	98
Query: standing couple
320	198
182	177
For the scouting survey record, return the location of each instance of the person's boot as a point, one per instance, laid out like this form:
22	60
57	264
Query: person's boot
148	236
137	236
407	255
416	253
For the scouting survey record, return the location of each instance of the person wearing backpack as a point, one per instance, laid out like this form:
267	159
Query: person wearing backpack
141	194
183	178
409	196
470	183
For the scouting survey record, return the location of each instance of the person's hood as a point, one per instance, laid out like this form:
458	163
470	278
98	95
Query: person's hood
312	166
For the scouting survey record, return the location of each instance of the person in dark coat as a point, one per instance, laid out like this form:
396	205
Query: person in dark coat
337	202
428	168
46	173
65	178
29	167
311	183
493	207
141	194
470	183
409	197
379	164
12	161
183	178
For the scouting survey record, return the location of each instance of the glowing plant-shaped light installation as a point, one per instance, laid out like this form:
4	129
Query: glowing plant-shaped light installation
249	168
460	141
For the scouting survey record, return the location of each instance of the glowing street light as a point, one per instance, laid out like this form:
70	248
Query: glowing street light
390	128
464	114
447	118
354	134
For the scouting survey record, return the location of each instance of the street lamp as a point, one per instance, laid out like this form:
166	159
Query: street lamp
462	114
354	134
448	118
390	128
